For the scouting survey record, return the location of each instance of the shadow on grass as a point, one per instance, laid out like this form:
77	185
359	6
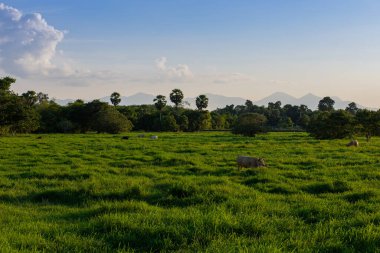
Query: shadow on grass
328	187
72	197
355	197
183	195
143	239
162	234
166	195
171	162
312	215
56	176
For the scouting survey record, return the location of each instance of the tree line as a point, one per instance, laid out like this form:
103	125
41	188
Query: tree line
33	112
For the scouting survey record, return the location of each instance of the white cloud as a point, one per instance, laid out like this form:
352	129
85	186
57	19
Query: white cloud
28	44
179	71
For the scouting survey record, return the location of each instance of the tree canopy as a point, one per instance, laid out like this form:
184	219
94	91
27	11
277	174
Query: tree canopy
326	104
115	98
201	102
33	112
176	97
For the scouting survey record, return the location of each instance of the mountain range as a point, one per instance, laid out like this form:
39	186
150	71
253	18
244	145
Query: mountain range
219	101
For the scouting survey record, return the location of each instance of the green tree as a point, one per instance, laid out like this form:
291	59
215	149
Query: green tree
201	102
326	104
249	104
160	103
198	120
250	124
6	82
50	115
176	97
42	97
131	112
30	97
82	115
304	121
183	122
169	123
369	122
110	120
273	115
352	108
115	98
16	116
331	125
218	121
276	105
286	122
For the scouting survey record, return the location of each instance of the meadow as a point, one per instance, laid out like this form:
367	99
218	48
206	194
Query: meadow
183	192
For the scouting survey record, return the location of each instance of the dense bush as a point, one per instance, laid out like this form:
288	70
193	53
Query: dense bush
250	124
198	120
368	122
332	125
51	115
109	120
169	123
16	114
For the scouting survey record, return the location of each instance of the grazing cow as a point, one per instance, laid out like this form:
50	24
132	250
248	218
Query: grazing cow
141	135
125	137
354	143
250	162
154	137
39	137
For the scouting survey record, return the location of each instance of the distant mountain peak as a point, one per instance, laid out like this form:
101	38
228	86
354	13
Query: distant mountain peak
281	93
141	94
308	95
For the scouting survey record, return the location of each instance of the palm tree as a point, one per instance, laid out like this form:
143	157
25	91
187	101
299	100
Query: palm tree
115	98
160	103
201	102
176	96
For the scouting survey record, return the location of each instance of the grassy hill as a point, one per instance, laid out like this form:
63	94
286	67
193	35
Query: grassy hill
183	192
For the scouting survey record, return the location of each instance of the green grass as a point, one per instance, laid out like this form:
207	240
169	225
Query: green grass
183	192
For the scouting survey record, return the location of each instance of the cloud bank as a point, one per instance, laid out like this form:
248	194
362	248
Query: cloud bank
28	44
179	71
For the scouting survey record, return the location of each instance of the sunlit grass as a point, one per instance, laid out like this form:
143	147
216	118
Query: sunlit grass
183	192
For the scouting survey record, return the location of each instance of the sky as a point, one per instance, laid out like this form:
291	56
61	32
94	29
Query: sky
247	48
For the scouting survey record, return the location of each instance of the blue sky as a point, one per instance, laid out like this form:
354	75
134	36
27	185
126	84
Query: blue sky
240	48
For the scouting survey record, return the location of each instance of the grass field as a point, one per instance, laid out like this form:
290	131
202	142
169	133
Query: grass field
183	192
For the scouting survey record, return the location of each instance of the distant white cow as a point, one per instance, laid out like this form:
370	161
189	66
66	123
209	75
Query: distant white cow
249	162
141	135
154	137
354	143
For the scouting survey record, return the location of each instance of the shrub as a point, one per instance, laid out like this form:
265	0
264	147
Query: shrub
331	125
5	130
65	126
250	124
169	123
109	120
198	120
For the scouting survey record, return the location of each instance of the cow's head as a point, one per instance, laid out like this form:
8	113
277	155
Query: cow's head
261	162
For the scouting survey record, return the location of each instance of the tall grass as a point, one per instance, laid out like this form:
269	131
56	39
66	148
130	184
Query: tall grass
183	192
